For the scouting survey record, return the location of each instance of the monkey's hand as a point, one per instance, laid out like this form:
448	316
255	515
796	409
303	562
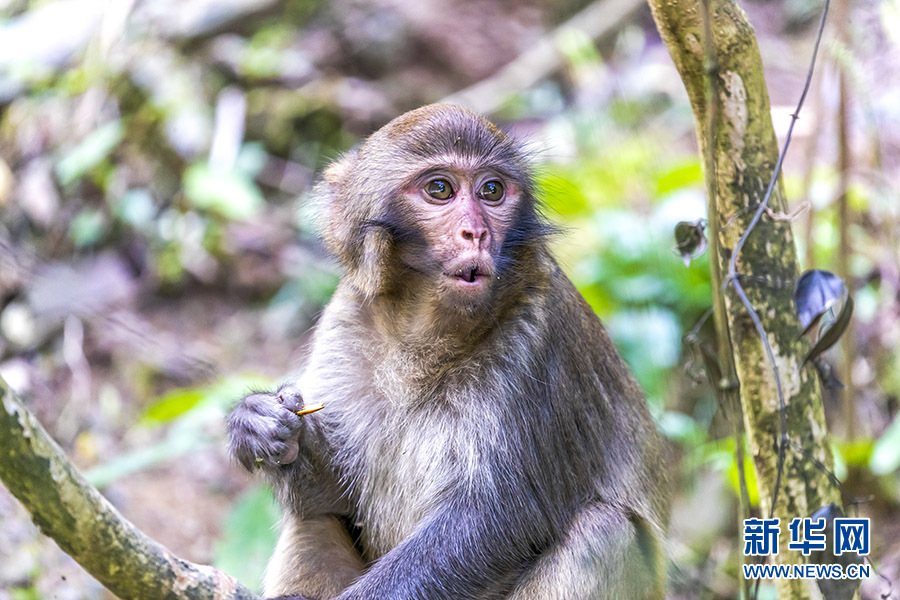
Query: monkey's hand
264	428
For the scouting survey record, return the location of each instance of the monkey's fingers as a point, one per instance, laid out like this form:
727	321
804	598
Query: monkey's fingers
309	409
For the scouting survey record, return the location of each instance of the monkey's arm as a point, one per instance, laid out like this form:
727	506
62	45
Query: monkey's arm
315	555
607	553
464	549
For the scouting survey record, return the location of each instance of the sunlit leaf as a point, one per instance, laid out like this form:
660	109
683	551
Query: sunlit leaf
221	395
680	176
87	228
681	427
749	476
840	463
886	453
136	208
229	193
815	293
172	405
26	593
561	195
92	150
856	453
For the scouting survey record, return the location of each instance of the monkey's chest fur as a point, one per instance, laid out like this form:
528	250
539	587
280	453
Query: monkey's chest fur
399	479
404	441
410	456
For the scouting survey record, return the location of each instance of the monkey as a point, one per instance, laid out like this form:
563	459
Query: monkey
480	436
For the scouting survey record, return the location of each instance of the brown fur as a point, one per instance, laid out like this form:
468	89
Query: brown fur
485	440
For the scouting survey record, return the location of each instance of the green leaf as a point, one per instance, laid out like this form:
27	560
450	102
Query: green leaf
857	453
578	48
651	336
248	537
682	175
749	475
680	427
172	405
886	453
87	228
599	300
230	194
220	395
251	159
190	412
92	150
561	195
136	207
25	593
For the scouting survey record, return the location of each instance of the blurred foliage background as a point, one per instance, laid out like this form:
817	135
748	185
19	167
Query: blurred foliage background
157	257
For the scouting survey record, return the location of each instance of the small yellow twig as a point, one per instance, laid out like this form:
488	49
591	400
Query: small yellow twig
309	409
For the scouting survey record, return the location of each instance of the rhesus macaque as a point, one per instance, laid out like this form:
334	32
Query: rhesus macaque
481	438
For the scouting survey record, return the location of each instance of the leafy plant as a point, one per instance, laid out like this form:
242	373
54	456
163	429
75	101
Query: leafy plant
248	536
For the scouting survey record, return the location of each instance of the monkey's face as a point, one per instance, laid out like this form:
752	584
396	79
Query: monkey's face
437	205
463	216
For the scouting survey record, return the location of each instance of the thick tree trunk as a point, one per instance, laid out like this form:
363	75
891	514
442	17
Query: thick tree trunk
88	527
724	80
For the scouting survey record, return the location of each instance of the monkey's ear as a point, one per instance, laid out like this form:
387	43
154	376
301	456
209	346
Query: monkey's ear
336	172
332	210
344	224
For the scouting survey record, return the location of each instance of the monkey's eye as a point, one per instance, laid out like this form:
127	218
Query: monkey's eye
439	189
492	191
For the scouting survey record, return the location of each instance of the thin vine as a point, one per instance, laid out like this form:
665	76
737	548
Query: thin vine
733	279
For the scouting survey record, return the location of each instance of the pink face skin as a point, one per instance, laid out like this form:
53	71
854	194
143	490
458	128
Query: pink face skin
464	216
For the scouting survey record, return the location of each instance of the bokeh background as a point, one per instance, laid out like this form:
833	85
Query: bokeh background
157	258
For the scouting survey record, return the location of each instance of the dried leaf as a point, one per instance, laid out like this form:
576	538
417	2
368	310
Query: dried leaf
816	292
833	333
690	239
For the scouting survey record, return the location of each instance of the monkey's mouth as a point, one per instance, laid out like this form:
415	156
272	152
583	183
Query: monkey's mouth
470	275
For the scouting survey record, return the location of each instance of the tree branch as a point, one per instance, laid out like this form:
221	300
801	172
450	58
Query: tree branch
87	527
714	49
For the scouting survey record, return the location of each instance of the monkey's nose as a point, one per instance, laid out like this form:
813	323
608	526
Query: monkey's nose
477	236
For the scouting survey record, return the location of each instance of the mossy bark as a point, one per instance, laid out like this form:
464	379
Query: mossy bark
87	527
724	81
